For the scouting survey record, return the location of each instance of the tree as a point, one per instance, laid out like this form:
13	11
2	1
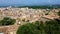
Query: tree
59	13
40	26
28	29
7	21
52	27
31	28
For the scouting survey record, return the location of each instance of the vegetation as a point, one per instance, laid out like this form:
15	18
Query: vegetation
41	7
52	27
27	29
37	7
7	21
59	13
39	27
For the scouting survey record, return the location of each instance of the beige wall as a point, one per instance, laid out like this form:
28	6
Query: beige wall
12	32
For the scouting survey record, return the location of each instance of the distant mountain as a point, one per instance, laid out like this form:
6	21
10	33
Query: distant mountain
34	6
42	7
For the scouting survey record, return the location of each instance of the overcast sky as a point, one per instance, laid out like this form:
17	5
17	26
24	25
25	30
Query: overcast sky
29	2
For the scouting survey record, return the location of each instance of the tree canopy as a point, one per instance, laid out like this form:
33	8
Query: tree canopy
59	13
7	21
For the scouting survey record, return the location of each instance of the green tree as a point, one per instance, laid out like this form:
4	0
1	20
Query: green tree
7	21
40	26
59	13
52	27
31	28
28	29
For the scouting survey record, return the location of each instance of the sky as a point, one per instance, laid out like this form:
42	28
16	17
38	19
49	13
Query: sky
28	2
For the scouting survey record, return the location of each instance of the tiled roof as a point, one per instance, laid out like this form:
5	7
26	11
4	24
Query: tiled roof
8	28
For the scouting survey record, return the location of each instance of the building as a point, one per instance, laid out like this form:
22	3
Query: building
19	14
